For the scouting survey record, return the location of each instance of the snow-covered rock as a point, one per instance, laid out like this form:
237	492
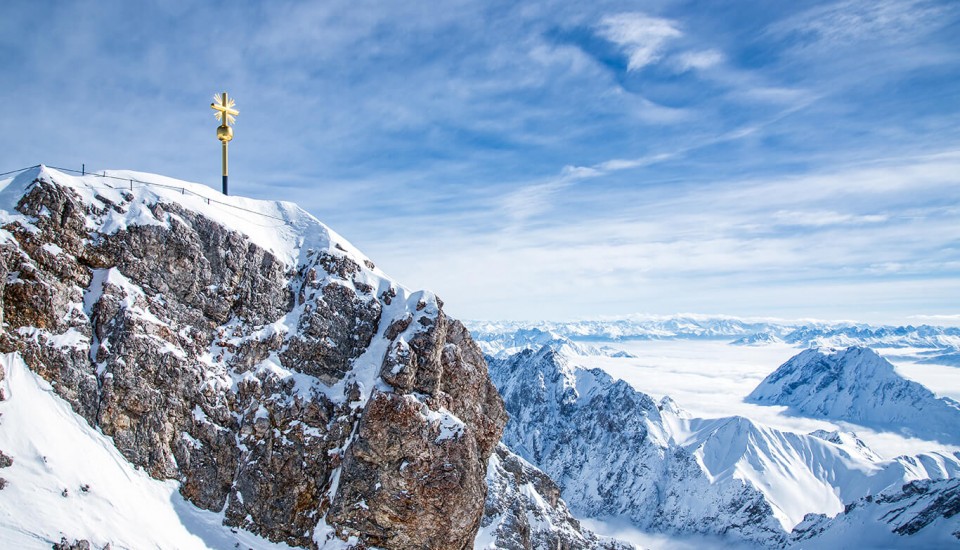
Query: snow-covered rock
920	514
858	385
616	453
848	440
64	479
524	510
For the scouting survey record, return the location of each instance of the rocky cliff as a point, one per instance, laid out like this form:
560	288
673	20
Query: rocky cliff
247	351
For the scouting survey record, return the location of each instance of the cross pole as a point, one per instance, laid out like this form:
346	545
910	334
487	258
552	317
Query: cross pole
226	114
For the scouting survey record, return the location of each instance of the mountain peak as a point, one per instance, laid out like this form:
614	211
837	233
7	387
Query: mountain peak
857	385
125	198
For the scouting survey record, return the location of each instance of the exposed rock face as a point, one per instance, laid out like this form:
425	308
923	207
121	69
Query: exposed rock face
291	384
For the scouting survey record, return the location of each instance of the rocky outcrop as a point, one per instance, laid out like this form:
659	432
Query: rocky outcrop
279	376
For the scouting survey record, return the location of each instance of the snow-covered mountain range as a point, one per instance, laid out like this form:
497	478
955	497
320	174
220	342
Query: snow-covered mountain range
614	451
637	327
939	344
858	385
503	345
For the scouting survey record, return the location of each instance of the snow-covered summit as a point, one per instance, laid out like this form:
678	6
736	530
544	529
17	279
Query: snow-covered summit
858	385
758	339
127	198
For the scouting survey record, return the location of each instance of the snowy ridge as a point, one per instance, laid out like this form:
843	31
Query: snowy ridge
616	452
920	514
281	227
523	510
860	386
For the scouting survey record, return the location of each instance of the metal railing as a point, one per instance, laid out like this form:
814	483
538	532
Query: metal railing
132	181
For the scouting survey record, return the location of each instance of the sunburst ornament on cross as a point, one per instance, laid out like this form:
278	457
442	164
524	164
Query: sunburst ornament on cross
227	115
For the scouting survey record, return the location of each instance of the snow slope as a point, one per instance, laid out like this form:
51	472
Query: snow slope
860	386
920	514
68	480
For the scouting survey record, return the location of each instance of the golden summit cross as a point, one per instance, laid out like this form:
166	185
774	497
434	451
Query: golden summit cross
227	115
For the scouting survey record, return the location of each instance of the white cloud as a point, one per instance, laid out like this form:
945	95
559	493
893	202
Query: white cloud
640	36
615	165
822	245
700	60
823	218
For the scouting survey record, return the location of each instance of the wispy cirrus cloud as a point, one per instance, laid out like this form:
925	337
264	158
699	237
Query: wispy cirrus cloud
799	242
844	24
550	158
824	218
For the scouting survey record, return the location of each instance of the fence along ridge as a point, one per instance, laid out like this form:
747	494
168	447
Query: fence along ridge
182	190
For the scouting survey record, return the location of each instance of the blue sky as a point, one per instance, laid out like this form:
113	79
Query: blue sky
544	159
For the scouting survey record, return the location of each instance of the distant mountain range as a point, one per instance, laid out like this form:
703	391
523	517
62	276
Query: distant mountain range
938	344
508	343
